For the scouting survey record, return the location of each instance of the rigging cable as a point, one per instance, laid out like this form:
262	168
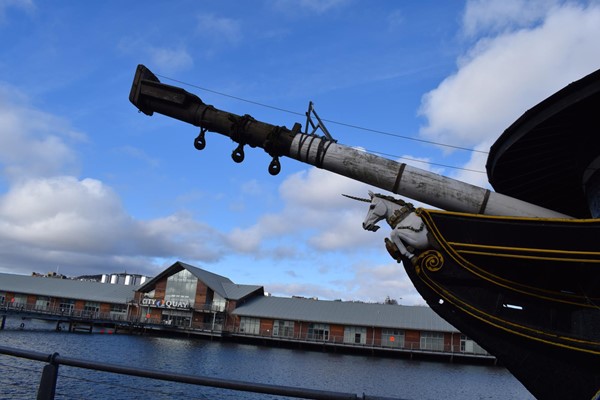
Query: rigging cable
346	125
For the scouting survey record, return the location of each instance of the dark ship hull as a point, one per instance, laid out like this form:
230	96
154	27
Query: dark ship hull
525	289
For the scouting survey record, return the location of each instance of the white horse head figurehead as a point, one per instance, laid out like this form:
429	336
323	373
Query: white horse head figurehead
378	210
408	229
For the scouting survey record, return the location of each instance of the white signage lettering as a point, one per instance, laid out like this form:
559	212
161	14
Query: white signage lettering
164	304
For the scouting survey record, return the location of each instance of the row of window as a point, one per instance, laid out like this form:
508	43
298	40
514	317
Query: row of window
65	305
358	335
352	334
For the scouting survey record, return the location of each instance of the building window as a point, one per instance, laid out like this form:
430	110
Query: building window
2	298
218	303
250	326
392	338
355	334
432	341
91	308
177	318
66	306
469	346
19	300
283	328
118	308
42	303
118	311
181	288
318	332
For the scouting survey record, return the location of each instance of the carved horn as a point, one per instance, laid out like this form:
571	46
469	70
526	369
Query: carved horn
357	198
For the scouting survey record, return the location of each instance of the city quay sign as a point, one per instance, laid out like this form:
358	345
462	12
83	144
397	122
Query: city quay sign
164	304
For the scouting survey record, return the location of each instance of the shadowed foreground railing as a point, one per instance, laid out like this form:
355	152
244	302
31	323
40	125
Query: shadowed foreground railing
47	387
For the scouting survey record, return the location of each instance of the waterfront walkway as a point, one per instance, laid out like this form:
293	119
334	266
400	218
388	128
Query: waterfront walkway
84	321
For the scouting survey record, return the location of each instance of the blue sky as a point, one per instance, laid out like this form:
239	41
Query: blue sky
88	185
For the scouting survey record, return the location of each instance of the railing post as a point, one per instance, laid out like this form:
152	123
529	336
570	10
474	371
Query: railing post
47	387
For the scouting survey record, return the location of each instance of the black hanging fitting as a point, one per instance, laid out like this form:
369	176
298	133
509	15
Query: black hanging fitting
200	141
238	154
274	166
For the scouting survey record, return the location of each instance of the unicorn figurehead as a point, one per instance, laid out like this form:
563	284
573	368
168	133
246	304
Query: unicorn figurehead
407	227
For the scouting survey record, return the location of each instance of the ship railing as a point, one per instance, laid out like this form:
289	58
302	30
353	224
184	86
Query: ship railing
50	372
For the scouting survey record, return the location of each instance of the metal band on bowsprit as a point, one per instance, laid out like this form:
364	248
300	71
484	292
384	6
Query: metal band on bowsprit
398	178
486	197
321	151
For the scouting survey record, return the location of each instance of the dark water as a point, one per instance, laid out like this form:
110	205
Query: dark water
406	379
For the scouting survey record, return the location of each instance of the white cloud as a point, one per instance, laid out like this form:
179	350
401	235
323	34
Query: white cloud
32	142
315	213
86	217
502	77
310	6
376	282
170	60
495	16
138	154
395	19
365	281
219	28
164	59
318	189
49	217
25	5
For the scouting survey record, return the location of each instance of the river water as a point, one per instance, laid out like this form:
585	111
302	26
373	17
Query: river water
373	376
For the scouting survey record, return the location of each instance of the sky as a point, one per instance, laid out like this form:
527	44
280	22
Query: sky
88	185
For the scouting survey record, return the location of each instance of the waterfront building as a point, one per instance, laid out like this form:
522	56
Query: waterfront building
349	323
185	296
68	297
191	300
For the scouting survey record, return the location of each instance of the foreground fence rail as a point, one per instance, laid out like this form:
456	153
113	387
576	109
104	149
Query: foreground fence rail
49	377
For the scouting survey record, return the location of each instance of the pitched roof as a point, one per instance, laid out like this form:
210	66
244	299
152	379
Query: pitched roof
345	313
221	285
67	288
236	292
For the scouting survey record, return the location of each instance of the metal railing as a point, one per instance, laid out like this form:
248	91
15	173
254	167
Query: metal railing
399	344
64	312
48	380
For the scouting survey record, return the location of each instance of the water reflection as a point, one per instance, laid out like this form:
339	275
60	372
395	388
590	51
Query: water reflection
324	371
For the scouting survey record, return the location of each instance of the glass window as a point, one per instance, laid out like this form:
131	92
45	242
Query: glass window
118	311
432	341
218	303
2	298
121	308
318	332
469	346
178	318
355	334
250	326
283	328
392	338
66	305
42	303
181	288
19	300
91	308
